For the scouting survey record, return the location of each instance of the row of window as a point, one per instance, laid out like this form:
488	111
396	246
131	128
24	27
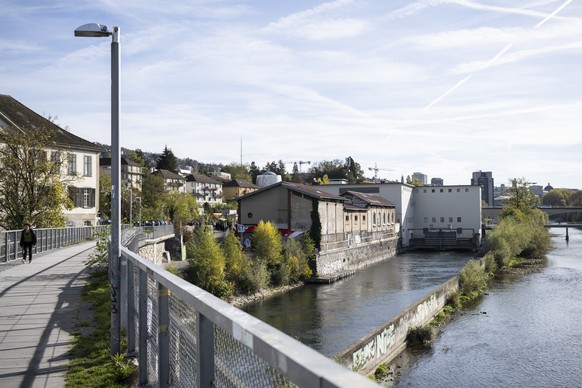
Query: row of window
442	219
375	220
450	190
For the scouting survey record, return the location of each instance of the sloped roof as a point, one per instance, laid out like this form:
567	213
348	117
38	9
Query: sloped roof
370	199
241	183
201	178
299	188
18	116
167	174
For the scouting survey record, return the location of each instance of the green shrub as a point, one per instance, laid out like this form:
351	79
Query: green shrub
420	336
253	279
453	300
381	371
472	279
490	262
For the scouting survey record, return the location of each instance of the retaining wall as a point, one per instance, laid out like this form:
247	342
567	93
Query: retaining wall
389	339
345	259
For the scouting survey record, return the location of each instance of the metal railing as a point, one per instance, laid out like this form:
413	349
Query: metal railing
46	240
183	336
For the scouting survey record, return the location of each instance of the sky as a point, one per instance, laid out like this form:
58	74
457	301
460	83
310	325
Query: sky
442	87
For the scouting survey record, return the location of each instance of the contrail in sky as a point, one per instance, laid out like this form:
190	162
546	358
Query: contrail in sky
492	60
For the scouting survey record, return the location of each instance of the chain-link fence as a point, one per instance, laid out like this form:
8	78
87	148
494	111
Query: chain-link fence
182	336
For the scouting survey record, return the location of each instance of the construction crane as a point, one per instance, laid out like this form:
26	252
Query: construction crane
299	162
376	169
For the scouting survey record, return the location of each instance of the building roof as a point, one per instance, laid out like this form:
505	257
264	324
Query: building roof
201	178
369	199
167	174
310	191
241	183
16	115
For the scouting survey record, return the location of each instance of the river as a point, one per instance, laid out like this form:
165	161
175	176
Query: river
526	331
331	317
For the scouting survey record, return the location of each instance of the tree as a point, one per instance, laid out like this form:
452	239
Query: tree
182	208
32	188
295	176
520	199
556	197
254	171
153	196
207	263
168	161
414	182
238	171
105	196
354	171
267	243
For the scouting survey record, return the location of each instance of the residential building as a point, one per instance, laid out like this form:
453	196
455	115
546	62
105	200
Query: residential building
204	189
237	188
437	182
131	172
172	181
485	180
82	158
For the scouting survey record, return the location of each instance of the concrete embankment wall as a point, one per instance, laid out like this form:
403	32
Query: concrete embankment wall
345	259
389	339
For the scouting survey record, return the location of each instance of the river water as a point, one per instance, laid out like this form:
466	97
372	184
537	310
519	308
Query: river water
331	317
526	332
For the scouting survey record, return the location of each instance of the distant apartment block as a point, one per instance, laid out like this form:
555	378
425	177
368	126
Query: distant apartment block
485	180
437	182
421	177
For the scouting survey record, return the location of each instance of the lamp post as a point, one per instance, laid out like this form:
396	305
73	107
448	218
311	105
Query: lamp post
100	31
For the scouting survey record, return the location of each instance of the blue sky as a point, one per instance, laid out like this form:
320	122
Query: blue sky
443	87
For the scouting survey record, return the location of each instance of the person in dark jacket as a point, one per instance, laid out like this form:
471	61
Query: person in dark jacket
27	241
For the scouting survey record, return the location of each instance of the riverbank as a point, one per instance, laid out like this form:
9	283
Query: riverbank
409	357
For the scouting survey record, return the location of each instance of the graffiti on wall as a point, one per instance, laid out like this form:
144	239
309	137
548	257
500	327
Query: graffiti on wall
385	340
377	347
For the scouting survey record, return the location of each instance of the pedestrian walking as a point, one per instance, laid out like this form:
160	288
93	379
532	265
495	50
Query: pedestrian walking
27	241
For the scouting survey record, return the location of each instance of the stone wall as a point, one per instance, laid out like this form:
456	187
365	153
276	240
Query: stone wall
154	251
389	339
346	259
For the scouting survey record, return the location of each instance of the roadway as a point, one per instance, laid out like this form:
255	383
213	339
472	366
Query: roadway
39	309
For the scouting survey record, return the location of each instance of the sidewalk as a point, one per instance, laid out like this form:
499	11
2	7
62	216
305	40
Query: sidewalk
38	311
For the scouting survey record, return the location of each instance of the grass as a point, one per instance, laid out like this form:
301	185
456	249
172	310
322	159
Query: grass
91	364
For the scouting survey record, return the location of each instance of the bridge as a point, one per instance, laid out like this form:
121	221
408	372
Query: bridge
179	334
493	211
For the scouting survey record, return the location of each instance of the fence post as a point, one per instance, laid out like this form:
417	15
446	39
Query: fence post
143	328
16	245
163	336
205	351
130	310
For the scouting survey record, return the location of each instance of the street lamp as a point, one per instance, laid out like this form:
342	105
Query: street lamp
99	31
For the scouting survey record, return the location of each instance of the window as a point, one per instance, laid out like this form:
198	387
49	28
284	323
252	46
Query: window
374	219
355	218
347	218
82	197
87	165
250	215
426	220
424	190
434	219
442	219
466	190
72	164
363	218
458	190
450	219
384	218
442	190
458	219
450	190
433	190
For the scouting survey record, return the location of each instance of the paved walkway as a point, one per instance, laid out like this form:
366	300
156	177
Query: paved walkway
38	310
